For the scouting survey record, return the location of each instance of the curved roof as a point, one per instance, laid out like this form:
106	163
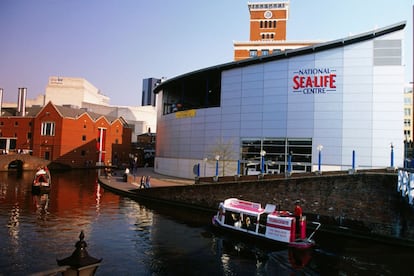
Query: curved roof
290	53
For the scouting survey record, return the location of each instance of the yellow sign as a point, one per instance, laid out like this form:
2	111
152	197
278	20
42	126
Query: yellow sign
185	114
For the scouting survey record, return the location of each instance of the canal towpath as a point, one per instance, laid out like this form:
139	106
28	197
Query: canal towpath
116	181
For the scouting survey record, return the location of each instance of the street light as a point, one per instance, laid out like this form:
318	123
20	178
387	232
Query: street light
217	160
262	154
319	147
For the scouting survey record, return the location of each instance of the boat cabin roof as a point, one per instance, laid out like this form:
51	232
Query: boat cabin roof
241	206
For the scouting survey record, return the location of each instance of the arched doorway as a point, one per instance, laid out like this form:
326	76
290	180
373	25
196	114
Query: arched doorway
15	165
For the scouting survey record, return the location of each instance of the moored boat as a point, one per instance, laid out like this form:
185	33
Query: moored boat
265	223
41	181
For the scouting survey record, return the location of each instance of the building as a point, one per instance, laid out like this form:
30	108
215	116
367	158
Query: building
148	96
66	136
268	22
295	111
408	113
79	93
141	119
73	91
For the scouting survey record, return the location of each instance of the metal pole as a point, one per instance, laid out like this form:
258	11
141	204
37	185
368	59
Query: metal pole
353	160
289	162
238	167
217	168
319	160
392	156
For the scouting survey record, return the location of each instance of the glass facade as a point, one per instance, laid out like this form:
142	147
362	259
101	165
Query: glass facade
276	154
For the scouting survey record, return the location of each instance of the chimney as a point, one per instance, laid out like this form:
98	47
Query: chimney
21	102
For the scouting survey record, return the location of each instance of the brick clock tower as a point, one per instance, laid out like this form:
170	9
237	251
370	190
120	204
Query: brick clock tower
267	31
268	20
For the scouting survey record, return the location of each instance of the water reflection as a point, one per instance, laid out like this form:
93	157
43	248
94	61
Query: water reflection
153	239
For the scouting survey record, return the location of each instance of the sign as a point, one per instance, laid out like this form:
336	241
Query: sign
185	114
314	81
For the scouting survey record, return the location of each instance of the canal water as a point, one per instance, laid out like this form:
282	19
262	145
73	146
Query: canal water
135	238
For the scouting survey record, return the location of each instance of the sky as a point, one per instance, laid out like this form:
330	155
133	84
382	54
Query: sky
115	44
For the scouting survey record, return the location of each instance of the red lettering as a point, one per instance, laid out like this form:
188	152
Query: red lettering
309	82
296	84
332	80
314	81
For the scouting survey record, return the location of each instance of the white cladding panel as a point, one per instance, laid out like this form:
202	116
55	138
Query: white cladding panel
337	98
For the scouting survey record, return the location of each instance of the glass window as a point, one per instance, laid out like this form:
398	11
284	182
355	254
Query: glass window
265	52
253	53
48	129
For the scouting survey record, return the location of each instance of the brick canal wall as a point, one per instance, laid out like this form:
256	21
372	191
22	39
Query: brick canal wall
364	202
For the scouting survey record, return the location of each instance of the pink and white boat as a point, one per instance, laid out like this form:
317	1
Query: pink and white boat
266	223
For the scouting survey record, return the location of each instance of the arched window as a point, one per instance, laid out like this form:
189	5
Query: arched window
261	24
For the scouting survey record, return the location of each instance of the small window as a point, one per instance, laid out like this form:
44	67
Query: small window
48	129
83	137
16	123
83	152
29	135
265	52
253	53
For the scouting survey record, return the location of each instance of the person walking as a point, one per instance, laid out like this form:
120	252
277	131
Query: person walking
143	180
148	182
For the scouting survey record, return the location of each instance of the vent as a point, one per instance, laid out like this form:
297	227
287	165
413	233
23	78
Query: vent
387	52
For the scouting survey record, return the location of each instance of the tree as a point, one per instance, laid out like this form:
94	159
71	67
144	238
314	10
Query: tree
225	150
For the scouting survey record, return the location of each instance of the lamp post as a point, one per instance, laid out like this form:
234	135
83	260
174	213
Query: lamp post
353	160
262	154
392	155
290	163
217	164
319	147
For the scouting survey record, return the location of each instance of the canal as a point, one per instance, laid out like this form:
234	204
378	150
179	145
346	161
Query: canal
136	238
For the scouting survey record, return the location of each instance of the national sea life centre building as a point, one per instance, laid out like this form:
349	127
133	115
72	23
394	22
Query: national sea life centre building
336	105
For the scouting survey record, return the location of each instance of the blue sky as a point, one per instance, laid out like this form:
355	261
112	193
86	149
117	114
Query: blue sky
114	44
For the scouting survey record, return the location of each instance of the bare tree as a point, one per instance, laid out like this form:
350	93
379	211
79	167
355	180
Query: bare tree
225	150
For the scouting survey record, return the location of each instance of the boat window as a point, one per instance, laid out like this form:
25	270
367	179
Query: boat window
250	223
232	218
262	223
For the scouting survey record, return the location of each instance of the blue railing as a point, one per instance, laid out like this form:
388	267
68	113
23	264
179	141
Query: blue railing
405	184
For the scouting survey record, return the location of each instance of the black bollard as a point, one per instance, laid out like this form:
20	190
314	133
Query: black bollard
80	262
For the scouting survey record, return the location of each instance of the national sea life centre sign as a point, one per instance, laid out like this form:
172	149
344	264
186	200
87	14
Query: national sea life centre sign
314	80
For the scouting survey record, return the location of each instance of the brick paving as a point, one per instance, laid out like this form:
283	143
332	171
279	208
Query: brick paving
117	182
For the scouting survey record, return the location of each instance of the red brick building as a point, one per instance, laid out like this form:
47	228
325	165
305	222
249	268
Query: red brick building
65	135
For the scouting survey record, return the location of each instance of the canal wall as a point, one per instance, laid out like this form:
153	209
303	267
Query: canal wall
362	203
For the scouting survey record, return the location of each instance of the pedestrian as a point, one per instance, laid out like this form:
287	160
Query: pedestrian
148	182
298	210
142	185
298	215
